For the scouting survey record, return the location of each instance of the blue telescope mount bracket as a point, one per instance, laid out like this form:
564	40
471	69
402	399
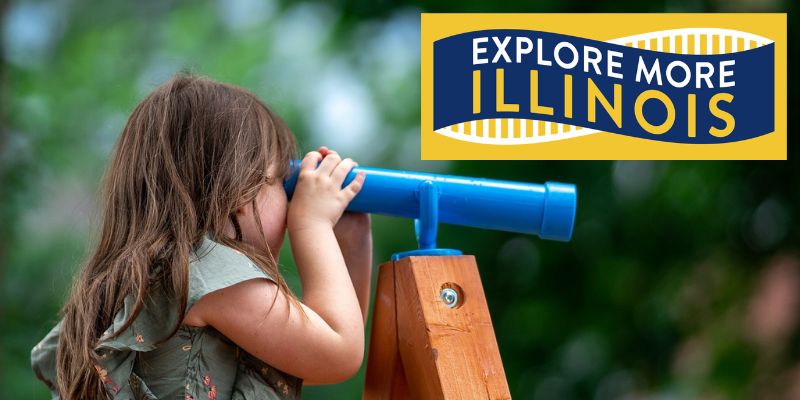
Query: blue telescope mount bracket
427	225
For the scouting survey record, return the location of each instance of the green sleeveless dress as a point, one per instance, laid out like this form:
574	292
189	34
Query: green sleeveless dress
195	363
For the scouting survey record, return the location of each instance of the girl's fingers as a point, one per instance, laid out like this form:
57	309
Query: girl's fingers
330	162
355	185
325	150
340	172
310	161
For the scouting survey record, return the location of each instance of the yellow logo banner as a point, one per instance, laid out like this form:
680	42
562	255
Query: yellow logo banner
603	86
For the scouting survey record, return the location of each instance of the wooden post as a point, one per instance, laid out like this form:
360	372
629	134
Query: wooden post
421	348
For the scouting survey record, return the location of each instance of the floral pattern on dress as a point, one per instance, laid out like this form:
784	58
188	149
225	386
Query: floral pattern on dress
212	389
106	379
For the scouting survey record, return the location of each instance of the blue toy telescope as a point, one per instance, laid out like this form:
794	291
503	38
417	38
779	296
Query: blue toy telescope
545	210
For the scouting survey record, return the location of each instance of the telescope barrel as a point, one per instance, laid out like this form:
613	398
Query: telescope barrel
546	210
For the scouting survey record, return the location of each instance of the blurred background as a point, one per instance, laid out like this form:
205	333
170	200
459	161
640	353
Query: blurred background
682	280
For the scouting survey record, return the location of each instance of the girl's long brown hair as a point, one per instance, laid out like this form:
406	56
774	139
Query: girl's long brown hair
190	154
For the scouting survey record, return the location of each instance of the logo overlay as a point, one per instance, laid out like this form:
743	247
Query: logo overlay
595	86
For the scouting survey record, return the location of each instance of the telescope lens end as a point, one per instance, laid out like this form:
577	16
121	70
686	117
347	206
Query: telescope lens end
558	215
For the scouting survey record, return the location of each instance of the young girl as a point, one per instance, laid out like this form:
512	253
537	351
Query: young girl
182	296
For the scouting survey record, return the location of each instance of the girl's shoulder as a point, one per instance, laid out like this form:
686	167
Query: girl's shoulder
214	266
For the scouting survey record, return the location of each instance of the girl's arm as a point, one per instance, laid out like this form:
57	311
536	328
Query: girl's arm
328	346
354	234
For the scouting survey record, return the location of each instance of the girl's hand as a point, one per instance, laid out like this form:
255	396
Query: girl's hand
353	232
319	199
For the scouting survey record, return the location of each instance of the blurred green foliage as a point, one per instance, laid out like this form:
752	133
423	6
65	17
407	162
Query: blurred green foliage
682	280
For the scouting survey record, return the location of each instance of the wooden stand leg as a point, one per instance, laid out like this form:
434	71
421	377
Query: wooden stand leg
385	379
423	349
